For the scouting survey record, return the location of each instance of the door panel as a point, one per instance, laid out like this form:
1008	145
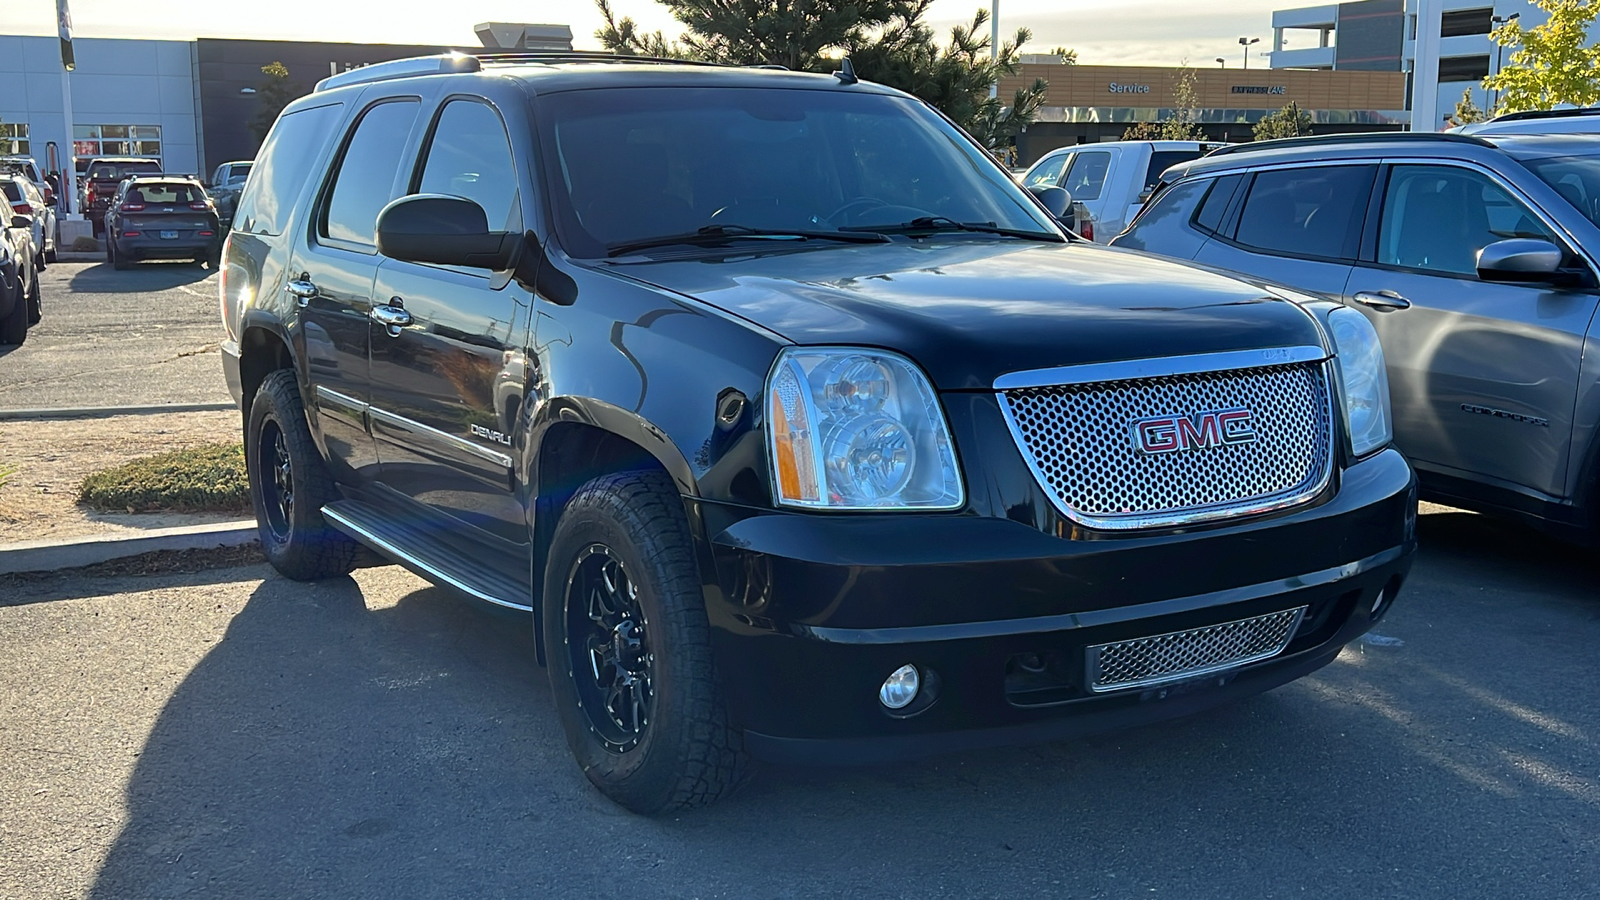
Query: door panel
333	326
1483	376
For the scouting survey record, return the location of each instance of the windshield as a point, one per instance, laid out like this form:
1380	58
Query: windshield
1576	178
636	164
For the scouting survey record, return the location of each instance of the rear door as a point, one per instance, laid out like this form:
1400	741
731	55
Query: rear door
1298	226
331	276
447	386
1482	375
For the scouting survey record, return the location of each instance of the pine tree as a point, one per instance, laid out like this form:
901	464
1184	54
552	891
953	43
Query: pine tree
273	93
1290	121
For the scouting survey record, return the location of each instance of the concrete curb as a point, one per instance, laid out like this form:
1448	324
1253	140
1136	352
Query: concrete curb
102	412
48	556
80	256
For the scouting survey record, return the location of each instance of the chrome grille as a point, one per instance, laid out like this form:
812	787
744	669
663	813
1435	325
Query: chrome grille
1143	662
1078	440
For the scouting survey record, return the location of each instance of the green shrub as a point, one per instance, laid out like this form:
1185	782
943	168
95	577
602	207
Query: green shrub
210	478
85	244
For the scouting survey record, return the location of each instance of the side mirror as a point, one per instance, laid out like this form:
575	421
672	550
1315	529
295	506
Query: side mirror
21	222
1144	195
1521	260
443	230
1055	199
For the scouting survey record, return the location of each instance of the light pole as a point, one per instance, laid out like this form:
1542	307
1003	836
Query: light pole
1245	43
1222	63
994	44
1499	48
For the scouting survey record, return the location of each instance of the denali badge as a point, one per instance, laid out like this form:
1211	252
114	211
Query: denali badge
1169	434
498	437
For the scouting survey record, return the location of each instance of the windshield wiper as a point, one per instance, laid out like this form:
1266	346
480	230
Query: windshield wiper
935	224
716	234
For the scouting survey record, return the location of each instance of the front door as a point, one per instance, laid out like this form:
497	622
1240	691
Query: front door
331	278
1482	375
448	379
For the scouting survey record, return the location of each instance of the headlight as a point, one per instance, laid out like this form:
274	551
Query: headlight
852	428
1363	381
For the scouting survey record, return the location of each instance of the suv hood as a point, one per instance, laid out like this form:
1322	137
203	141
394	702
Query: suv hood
970	311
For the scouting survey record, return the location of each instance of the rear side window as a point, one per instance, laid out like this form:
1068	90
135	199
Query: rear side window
470	157
1087	174
1305	211
283	167
1215	206
13	193
364	183
1162	160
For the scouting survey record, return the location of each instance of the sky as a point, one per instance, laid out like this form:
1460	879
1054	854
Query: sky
1105	32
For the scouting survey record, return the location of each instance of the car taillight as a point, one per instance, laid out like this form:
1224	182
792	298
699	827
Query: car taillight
133	207
1086	228
208	234
25	209
130	234
199	204
49	196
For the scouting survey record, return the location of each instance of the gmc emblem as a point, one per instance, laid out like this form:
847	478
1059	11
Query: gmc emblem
1216	428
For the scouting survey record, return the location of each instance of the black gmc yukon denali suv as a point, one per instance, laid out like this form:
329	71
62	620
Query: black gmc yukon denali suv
798	429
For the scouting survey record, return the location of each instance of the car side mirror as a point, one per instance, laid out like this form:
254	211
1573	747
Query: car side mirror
1522	260
21	222
443	230
1144	195
1055	199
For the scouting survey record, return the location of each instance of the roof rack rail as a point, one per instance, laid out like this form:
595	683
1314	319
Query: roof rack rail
1356	138
1548	114
569	56
441	64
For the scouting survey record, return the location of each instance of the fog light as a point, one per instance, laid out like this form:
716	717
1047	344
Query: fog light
900	688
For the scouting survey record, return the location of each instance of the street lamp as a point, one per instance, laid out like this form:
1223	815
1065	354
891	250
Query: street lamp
1222	63
1245	43
1499	48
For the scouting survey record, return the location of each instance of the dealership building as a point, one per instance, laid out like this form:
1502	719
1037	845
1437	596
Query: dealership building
1086	104
188	104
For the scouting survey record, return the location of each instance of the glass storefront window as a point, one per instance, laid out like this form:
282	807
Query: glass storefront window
14	139
90	141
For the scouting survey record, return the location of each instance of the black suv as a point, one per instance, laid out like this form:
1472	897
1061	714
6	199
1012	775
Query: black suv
161	217
796	426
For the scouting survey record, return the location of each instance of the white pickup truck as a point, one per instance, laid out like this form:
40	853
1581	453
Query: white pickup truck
1110	181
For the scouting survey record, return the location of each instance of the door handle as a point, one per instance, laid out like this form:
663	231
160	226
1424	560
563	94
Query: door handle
302	290
1382	301
392	317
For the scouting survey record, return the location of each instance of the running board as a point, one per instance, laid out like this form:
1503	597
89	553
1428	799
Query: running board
440	565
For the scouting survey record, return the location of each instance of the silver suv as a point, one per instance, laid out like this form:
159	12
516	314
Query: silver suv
1475	258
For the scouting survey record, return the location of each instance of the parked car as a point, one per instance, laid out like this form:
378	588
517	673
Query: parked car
19	279
1551	121
1474	258
27	168
26	200
1110	181
101	180
226	182
791	423
161	217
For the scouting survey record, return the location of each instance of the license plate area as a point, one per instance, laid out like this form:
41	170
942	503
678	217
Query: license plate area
169	235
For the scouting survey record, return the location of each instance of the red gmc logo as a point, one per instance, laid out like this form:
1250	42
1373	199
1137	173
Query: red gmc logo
1170	434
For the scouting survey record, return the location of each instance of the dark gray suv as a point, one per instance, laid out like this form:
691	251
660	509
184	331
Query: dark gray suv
1475	258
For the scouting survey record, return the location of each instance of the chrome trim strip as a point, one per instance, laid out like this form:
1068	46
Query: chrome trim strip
339	399
1191	516
343	522
442	437
1092	656
1160	366
1095	618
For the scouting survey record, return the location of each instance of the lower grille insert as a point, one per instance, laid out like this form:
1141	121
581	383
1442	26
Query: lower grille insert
1176	655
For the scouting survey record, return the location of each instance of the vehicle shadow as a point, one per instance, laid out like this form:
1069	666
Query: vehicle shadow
324	747
145	277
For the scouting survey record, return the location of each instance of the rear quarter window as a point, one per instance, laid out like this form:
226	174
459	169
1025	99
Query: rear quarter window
1215	205
1162	226
283	167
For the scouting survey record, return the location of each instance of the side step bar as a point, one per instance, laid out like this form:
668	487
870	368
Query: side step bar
440	565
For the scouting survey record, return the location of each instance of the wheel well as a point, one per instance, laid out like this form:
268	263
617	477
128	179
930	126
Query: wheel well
570	455
261	353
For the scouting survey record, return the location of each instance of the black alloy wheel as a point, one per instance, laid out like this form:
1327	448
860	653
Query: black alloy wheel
609	642
276	476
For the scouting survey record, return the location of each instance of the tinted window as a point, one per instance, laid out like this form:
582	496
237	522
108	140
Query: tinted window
1215	206
471	157
1162	160
1575	178
285	161
1047	172
1163	218
165	194
1087	174
13	193
1438	217
364	183
1464	68
1304	212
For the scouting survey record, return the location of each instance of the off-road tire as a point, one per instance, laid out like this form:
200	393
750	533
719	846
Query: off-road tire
688	754
14	327
35	306
308	548
52	255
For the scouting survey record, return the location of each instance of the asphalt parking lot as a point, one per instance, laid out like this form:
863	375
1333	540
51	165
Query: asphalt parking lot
144	336
236	734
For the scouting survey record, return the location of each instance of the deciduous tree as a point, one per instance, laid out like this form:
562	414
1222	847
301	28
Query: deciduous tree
1290	121
273	93
1552	63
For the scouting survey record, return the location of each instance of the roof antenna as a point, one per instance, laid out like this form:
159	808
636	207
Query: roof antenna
846	73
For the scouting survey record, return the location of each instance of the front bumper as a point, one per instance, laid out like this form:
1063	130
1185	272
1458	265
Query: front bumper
811	613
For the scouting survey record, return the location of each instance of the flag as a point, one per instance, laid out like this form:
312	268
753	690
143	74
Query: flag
64	22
